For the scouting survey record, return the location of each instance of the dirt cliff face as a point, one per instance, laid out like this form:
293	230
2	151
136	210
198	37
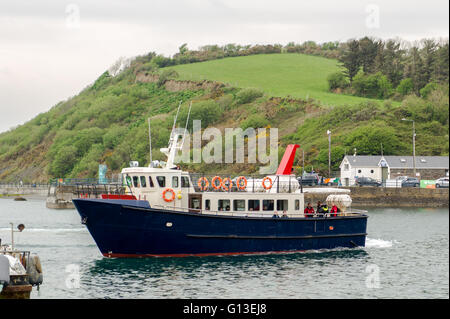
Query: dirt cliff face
176	85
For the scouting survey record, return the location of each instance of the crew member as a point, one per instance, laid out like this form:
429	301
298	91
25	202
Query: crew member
334	210
309	211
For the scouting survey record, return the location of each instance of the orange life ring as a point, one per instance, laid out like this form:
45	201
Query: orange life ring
238	182
213	182
199	183
264	182
230	184
164	195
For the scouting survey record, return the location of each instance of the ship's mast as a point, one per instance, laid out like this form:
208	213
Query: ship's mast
174	146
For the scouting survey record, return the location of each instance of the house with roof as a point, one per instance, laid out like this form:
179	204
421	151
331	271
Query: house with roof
383	168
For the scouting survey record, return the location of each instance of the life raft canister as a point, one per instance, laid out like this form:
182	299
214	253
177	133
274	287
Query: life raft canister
165	192
213	182
267	178
238	182
200	183
224	185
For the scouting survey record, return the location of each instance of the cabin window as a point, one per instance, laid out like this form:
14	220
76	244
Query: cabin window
282	204
207	204
175	181
128	180
297	204
239	205
253	204
268	204
224	204
184	181
346	167
161	181
359	171
143	181
371	171
136	181
150	179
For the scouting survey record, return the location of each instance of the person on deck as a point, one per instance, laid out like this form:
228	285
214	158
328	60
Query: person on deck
309	211
334	210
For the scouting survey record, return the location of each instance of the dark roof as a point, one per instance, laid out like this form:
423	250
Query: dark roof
436	162
363	160
421	161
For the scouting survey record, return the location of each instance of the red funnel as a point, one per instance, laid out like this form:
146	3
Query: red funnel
287	161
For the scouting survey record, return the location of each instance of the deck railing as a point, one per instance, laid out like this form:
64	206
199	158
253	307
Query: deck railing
252	183
267	214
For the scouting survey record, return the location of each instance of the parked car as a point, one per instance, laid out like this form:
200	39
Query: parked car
411	182
442	182
311	179
367	181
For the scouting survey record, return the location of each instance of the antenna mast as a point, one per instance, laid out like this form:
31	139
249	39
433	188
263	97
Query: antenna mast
150	140
187	121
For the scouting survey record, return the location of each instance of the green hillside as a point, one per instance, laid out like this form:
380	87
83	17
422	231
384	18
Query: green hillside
106	123
296	75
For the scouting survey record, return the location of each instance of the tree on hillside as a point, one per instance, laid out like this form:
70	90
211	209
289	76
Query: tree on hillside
429	57
351	59
442	65
183	49
393	62
368	49
415	70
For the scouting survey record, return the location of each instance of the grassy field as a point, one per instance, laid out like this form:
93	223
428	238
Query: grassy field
297	75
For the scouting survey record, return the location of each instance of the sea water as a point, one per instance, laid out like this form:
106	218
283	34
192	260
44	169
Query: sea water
406	256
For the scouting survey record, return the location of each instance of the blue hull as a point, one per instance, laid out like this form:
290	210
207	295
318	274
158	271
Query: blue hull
124	228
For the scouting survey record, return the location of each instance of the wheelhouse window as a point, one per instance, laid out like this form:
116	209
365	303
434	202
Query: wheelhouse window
282	204
239	205
268	204
161	181
175	181
184	181
150	179
135	181
223	204
207	204
143	181
297	204
253	204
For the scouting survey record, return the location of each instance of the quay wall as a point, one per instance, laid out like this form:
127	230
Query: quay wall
41	190
391	197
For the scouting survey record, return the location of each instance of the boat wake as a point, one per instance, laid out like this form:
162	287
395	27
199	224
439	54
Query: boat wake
379	243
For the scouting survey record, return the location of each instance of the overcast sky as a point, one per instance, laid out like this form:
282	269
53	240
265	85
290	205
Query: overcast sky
51	50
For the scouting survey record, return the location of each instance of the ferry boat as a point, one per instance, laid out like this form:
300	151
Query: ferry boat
168	212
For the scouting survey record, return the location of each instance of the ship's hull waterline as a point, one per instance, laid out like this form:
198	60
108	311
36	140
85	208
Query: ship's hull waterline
134	229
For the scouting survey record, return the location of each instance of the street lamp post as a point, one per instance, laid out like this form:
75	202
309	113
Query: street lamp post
329	153
414	144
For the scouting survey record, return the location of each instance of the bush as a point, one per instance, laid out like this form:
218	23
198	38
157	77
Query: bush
64	161
427	89
206	111
337	80
248	95
368	139
254	121
373	85
405	86
166	75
